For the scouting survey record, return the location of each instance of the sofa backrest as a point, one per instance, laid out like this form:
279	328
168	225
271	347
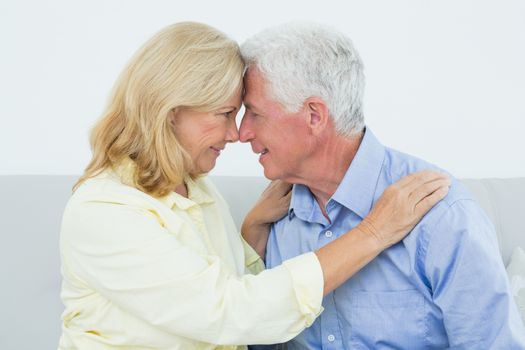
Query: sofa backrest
30	214
504	202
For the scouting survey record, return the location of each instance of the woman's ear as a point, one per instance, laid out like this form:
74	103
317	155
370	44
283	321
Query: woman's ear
317	115
172	116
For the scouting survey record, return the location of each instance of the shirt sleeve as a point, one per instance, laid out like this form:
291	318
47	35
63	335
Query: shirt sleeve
125	254
469	282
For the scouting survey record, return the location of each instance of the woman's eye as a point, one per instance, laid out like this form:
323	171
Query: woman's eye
227	114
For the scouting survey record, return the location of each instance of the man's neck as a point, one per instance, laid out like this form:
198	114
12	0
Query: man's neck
328	166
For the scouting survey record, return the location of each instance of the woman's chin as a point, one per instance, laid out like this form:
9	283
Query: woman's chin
205	168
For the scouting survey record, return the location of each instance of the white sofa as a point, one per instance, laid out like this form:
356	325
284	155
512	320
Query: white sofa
30	213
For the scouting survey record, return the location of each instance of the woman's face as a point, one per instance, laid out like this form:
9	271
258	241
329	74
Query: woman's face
205	134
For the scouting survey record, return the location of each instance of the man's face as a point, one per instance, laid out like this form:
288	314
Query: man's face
280	137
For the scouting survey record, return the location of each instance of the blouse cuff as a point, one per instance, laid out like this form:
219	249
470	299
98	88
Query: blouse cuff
252	260
308	283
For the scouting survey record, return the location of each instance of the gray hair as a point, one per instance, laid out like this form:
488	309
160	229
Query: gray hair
301	60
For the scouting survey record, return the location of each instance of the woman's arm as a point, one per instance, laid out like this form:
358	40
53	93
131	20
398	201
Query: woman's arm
161	274
398	210
129	257
394	215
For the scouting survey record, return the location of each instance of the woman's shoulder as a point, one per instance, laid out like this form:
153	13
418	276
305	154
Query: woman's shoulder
104	201
108	187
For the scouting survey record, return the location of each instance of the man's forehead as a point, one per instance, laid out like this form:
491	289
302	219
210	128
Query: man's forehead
255	79
254	92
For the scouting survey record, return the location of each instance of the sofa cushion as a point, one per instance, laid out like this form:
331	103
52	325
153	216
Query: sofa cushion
516	272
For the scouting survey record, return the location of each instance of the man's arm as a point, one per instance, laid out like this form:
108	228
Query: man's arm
469	283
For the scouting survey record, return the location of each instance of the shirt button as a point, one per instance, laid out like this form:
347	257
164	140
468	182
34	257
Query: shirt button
328	234
331	338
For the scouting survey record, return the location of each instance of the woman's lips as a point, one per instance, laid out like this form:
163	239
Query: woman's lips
216	150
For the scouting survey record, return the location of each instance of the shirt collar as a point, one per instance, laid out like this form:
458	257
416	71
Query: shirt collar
197	194
303	204
357	189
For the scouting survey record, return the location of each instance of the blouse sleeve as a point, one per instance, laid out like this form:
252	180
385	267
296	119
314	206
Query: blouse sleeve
124	253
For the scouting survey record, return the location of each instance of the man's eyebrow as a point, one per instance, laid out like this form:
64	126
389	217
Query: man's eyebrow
248	105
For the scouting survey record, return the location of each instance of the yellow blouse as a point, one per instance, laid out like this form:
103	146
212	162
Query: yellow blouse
172	273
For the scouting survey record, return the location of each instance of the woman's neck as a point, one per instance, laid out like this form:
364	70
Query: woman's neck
182	189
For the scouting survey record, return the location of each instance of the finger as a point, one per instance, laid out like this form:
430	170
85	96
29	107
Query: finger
407	179
429	201
427	188
273	186
289	189
287	198
422	177
281	187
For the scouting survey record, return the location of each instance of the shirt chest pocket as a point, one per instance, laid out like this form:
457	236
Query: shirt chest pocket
387	320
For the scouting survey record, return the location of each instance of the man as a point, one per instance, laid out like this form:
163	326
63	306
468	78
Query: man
444	286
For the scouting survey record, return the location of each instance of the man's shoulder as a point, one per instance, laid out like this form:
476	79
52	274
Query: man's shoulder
399	164
458	208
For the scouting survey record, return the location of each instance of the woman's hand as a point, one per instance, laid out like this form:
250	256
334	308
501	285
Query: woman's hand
273	203
403	204
271	206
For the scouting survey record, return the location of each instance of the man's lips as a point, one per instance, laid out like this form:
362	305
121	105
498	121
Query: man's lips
259	150
263	153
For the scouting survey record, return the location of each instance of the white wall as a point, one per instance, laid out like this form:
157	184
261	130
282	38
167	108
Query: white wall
445	79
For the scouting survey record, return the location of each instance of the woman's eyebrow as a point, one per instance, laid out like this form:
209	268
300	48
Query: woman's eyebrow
227	107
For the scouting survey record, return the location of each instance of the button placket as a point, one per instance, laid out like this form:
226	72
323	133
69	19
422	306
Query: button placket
195	214
330	331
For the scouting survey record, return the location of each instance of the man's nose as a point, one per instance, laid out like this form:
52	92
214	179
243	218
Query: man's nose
245	131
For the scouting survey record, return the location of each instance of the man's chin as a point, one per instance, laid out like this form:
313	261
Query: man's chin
269	174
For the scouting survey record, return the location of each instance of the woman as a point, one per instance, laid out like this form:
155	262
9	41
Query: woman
151	258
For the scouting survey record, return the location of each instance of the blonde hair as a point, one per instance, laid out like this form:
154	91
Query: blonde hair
186	65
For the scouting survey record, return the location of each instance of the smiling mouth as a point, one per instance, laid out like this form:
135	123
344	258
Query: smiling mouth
217	150
263	154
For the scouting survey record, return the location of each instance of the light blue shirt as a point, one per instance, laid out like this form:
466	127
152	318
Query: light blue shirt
443	286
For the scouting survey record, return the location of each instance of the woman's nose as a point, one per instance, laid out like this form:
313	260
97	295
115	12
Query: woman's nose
233	132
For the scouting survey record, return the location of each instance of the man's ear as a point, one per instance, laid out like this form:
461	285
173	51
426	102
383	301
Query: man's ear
317	115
